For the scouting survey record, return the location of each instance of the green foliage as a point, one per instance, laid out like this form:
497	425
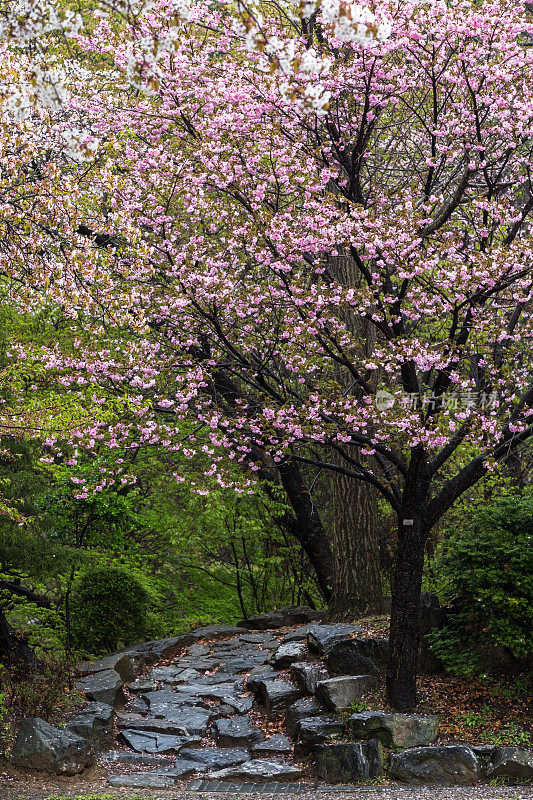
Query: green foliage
108	607
487	568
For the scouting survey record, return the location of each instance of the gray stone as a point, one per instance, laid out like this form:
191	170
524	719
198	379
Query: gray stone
143	780
234	705
216	632
143	685
135	759
138	706
258	769
150	652
196	690
120	662
301	709
338	694
41	746
275	745
344	762
298	634
312	731
307	675
195	720
263	639
236	731
511	762
164	674
153	742
288	653
216	757
276	696
451	764
137	723
103	687
358	656
394	730
94	722
284	617
165	703
259	674
183	767
373	750
321	638
198	649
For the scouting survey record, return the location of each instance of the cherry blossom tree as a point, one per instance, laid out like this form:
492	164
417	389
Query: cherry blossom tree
318	245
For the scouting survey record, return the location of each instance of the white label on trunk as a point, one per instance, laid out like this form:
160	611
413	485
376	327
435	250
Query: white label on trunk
408	522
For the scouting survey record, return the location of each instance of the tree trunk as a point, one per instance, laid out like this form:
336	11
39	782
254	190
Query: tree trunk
307	526
356	561
356	570
404	636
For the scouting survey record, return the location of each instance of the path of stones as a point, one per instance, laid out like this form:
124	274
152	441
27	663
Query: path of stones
228	710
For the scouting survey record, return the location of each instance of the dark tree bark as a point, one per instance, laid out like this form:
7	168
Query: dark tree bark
356	570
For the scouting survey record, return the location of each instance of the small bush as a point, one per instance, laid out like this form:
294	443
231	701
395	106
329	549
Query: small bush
108	607
489	569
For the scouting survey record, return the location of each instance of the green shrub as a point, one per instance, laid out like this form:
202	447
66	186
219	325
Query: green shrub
488	567
108	607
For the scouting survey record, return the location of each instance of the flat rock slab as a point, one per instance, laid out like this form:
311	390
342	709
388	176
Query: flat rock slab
183	767
275	745
276	695
338	694
39	745
448	765
137	723
229	706
216	757
282	618
344	762
258	674
511	762
236	731
258	769
321	638
95	722
216	632
103	687
150	652
155	742
142	780
135	759
288	653
120	662
394	730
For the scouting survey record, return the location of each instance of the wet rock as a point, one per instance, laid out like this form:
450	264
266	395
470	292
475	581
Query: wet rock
234	705
312	731
260	674
321	638
287	653
134	759
198	649
298	634
94	722
301	709
41	746
282	618
138	723
138	706
276	696
236	731
344	762
258	769
394	730
143	780
120	662
451	764
184	766
150	652
337	694
373	750
307	675
216	757
275	745
358	656
164	674
511	762
154	742
166	703
216	632
103	687
195	690
143	685
263	639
